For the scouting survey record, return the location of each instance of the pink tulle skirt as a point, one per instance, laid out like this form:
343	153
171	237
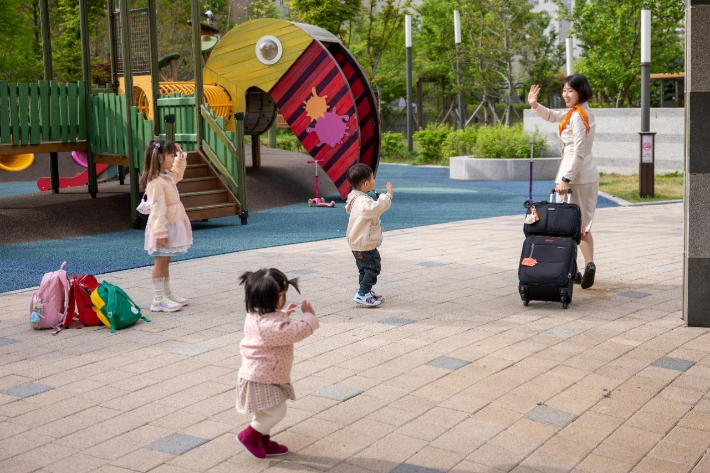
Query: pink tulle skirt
179	239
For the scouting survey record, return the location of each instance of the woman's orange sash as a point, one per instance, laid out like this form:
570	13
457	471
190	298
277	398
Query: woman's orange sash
582	114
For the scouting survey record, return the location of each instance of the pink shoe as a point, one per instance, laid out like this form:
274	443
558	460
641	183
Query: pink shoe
272	448
251	440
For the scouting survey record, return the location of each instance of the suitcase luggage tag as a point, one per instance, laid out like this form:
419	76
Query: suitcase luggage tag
532	217
529	261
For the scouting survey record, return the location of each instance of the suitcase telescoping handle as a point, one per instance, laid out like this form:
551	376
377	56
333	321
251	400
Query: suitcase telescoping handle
569	195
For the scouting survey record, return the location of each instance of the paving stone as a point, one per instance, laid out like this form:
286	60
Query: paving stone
604	232
27	390
337	392
491	248
448	363
550	416
386	287
514	280
408	249
634	294
673	363
430	264
407	468
191	350
396	321
325	250
303	272
660	270
177	444
560	333
8	341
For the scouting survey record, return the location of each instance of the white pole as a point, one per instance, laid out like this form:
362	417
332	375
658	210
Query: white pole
408	48
570	56
457	27
459	73
408	31
645	36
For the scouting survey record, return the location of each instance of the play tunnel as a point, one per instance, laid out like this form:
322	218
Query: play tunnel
315	82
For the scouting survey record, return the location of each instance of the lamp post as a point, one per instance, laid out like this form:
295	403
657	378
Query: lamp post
570	56
408	44
647	148
457	39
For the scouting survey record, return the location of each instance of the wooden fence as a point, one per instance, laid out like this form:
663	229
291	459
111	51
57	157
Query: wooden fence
31	113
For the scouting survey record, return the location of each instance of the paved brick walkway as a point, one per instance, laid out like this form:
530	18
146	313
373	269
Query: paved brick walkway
452	373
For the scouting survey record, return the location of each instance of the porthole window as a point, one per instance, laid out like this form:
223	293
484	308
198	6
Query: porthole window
269	49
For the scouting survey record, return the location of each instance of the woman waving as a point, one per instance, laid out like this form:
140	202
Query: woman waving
578	170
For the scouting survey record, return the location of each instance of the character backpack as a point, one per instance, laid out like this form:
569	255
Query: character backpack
50	303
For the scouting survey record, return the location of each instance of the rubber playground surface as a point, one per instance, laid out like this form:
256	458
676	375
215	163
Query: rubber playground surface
422	196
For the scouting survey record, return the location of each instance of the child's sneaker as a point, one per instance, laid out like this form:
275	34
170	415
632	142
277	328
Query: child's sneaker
252	443
164	305
272	448
366	299
177	299
378	297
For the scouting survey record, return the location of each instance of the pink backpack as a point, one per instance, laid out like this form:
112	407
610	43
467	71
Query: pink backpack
49	305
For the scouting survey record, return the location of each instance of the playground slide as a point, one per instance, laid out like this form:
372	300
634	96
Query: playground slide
16	162
80	179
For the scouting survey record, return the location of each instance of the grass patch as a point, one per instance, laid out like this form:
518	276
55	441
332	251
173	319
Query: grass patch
667	187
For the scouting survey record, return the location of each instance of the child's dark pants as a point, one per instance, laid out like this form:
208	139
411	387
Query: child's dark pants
369	265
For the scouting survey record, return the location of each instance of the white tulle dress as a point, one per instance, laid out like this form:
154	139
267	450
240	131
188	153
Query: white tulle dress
167	218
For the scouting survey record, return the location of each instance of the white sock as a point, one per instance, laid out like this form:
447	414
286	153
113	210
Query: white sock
167	286
159	288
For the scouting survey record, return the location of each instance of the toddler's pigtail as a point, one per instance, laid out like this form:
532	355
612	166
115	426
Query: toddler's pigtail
245	277
294	282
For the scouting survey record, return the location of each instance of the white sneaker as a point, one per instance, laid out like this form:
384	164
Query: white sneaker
164	305
367	300
177	299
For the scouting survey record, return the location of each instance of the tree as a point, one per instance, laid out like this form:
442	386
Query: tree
256	9
383	21
21	54
332	15
66	48
516	33
610	33
543	63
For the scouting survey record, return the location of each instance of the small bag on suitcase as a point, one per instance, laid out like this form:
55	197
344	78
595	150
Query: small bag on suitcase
554	219
547	269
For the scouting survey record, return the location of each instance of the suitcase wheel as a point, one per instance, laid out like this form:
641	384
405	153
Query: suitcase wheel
565	297
526	302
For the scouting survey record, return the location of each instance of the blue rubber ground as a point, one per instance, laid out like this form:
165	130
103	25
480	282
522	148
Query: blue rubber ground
423	196
8	189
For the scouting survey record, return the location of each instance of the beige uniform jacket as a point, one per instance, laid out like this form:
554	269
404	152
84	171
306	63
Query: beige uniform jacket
577	164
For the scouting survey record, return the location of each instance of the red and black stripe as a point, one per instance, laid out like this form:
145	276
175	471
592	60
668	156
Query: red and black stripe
317	68
366	105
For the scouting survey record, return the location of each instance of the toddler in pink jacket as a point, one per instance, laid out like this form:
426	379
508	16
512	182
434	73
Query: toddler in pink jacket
264	382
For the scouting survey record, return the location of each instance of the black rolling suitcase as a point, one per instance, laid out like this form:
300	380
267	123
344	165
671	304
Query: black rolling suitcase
548	263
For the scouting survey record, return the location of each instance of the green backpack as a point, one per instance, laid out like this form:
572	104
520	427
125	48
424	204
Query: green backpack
114	308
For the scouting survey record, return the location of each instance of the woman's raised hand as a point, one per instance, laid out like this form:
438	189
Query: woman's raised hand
532	96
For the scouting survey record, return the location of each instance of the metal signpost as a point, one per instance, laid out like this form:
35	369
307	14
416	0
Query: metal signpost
647	148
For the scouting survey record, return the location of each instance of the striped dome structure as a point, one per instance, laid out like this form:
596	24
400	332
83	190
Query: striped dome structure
315	82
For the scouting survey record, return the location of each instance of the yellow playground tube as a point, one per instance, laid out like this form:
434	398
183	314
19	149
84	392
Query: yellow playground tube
16	162
217	98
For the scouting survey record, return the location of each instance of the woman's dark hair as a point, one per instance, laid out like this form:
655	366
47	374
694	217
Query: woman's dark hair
579	83
359	173
262	289
153	158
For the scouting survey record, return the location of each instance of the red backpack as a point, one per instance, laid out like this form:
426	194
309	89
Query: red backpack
80	296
